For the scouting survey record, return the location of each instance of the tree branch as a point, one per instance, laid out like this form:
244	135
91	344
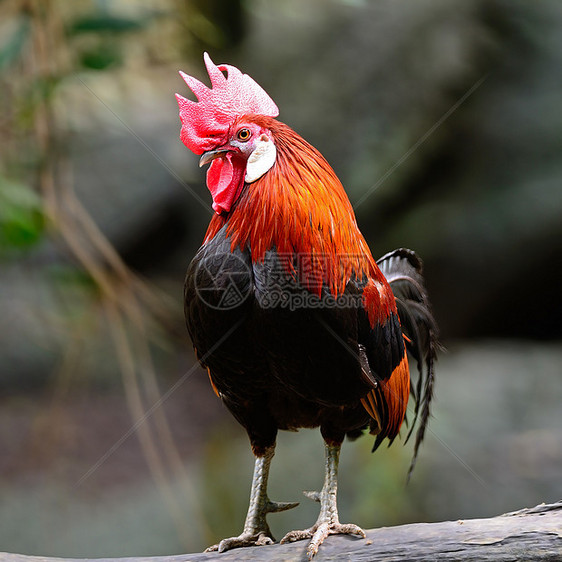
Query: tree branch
529	534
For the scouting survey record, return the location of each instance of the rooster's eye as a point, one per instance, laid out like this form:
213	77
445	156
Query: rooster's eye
244	134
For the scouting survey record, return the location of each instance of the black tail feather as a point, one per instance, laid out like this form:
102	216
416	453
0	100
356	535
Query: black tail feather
403	270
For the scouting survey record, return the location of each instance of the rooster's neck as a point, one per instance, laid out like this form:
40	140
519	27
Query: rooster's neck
299	208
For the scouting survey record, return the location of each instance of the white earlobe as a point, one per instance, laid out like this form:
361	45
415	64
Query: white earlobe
261	160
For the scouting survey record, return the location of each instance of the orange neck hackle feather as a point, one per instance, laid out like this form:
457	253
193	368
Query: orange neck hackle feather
300	208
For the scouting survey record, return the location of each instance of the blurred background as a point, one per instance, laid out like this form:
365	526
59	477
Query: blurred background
443	118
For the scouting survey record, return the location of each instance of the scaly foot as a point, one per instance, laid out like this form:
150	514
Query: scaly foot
256	530
318	532
328	522
245	539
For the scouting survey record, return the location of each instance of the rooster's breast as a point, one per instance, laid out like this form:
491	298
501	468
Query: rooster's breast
218	299
263	335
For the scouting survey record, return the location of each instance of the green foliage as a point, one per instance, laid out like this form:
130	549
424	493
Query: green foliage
21	217
11	48
103	22
93	37
69	278
102	56
103	27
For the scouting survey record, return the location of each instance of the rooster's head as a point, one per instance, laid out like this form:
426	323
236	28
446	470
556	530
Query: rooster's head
220	128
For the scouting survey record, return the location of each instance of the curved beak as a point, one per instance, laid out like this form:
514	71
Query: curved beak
209	156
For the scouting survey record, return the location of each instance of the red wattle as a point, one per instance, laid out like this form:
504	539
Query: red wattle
224	181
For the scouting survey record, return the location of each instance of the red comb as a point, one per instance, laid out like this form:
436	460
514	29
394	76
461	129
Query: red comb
229	97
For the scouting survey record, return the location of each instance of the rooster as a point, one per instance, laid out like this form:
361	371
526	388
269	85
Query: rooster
294	321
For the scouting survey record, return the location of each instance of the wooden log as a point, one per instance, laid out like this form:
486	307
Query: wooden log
525	535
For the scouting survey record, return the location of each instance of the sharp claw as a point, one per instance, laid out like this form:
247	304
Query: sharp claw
275	507
350	529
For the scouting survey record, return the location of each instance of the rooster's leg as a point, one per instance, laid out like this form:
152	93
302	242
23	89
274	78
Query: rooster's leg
328	521
256	530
